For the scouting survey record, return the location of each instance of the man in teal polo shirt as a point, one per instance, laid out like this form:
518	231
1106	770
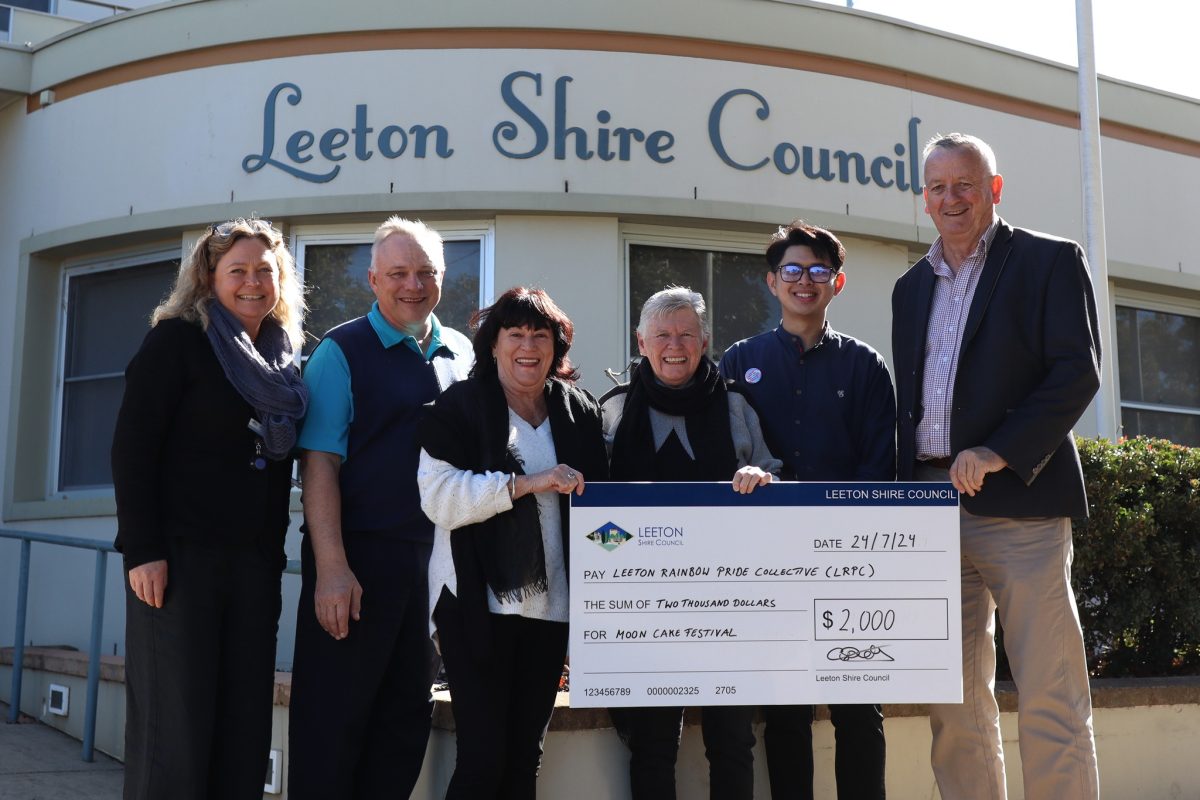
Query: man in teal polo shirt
360	707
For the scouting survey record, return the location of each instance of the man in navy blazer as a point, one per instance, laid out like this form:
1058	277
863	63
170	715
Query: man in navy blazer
997	350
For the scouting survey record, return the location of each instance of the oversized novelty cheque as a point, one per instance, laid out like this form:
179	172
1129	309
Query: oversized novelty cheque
693	594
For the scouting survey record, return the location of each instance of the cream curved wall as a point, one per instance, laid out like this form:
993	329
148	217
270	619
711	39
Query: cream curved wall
160	116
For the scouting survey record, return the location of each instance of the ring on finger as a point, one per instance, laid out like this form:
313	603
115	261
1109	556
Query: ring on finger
571	474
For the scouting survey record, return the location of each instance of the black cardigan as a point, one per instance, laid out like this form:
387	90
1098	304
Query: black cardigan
181	454
467	426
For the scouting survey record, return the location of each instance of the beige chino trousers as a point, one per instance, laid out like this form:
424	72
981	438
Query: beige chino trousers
1022	567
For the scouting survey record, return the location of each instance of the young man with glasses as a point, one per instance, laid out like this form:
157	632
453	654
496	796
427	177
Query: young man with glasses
828	411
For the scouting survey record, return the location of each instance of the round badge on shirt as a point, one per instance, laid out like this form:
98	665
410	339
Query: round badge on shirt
753	375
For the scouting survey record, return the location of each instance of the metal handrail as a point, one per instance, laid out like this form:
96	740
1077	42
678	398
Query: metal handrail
93	677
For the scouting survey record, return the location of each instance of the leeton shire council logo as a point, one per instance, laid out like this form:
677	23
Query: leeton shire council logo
610	536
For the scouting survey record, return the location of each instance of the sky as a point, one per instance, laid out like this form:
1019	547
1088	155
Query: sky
1148	42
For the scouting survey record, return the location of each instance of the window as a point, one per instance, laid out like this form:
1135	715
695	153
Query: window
335	267
729	275
31	5
1158	355
107	316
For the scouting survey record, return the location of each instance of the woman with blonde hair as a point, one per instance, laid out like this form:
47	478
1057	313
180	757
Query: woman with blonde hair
202	468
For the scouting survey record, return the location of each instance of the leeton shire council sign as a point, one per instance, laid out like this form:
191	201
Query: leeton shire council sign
314	155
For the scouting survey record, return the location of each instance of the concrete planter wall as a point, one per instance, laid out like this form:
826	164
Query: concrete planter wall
1147	732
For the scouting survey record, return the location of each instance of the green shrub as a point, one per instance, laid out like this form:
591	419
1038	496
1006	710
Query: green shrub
1137	558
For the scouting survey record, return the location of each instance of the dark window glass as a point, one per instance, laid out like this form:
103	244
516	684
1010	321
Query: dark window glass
108	315
336	277
32	5
733	286
1159	365
460	287
338	290
1179	428
5	22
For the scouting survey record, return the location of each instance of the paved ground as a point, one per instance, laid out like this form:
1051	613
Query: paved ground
39	763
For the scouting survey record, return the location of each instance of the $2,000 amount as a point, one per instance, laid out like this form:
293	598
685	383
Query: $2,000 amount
880	618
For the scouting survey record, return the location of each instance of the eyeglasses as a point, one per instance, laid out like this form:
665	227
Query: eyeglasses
817	273
224	229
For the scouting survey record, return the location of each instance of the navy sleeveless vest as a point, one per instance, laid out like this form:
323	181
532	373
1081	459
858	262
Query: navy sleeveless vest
378	477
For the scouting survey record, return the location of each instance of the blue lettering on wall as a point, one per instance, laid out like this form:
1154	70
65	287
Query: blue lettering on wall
877	167
913	122
786	158
860	167
824	173
392	142
508	129
714	127
389	145
571	140
297	143
441	140
332	141
561	130
817	164
544	126
360	131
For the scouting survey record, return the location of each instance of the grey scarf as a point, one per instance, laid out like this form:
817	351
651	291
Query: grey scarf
263	374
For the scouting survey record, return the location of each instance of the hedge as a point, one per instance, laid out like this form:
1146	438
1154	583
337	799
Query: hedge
1137	558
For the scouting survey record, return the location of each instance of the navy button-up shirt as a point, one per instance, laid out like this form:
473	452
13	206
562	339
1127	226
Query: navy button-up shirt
829	412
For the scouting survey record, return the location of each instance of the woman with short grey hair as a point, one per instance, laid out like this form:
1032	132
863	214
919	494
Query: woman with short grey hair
678	420
667	301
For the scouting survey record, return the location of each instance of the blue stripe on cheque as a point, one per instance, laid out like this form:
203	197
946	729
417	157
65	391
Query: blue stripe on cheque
635	495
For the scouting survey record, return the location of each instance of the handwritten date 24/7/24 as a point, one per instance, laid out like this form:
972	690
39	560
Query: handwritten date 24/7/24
876	541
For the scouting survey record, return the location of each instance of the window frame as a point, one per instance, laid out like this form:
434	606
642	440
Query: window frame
71	269
1147	301
302	236
685	239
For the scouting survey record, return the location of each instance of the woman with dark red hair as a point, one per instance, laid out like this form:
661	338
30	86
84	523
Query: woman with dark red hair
501	453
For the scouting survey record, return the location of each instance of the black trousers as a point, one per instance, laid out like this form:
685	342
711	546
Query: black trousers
652	735
503	706
858	758
200	676
361	708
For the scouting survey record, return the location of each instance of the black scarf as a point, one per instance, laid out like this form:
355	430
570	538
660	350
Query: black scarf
468	426
704	405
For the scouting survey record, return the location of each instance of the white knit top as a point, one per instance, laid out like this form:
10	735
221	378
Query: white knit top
454	498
